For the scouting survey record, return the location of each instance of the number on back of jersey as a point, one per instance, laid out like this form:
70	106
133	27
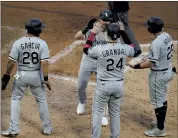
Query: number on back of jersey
33	56
169	50
110	62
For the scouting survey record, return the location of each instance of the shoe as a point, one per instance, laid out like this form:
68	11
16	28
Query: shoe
10	133
137	53
104	121
80	109
154	124
47	131
155	133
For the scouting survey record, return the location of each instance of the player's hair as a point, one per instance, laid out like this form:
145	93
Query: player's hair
155	24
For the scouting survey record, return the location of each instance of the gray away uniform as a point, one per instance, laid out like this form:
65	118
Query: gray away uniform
29	52
111	60
87	66
161	74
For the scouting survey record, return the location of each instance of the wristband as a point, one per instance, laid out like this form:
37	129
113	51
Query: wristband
46	78
137	66
85	30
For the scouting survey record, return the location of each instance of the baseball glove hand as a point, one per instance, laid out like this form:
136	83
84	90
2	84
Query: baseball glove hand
89	26
4	81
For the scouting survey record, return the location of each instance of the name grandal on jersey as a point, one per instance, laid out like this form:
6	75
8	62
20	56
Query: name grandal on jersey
113	52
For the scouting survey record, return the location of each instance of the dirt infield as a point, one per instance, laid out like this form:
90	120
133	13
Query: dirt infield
63	20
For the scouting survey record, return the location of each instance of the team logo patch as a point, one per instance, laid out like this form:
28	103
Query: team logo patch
106	14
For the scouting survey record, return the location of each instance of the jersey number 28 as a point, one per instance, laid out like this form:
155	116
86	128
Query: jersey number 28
169	54
33	55
111	62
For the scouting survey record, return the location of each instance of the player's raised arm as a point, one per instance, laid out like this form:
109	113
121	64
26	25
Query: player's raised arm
96	29
81	34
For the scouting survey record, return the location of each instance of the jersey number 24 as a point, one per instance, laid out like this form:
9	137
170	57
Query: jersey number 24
110	67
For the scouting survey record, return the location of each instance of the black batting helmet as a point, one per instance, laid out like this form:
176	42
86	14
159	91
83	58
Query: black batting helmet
155	24
106	16
113	31
34	26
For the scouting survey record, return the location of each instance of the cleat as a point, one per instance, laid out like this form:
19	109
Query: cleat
10	133
47	131
155	133
80	109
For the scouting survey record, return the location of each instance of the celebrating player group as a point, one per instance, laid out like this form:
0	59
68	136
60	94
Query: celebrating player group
109	46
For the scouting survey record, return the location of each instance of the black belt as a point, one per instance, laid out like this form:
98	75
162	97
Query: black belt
160	69
111	80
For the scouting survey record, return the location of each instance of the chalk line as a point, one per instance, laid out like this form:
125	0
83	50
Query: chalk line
65	51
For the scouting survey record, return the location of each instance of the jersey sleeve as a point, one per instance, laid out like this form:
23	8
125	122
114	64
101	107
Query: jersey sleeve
130	51
14	54
154	52
45	53
94	52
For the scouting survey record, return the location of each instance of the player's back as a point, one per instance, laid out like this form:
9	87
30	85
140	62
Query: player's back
30	52
112	61
163	44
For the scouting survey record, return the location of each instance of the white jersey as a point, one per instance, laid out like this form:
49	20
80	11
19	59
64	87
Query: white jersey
111	60
28	52
161	51
100	38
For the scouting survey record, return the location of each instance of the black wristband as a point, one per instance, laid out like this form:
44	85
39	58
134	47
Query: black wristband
85	30
46	78
137	66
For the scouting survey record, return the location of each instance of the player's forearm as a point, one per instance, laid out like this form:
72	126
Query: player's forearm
10	66
44	67
89	42
145	64
79	35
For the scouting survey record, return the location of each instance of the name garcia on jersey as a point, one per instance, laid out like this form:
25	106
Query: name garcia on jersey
113	52
30	45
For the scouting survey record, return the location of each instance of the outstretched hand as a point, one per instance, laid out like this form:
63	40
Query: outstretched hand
97	27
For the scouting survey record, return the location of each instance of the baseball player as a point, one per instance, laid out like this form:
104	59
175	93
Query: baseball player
88	65
31	55
111	59
159	61
120	13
